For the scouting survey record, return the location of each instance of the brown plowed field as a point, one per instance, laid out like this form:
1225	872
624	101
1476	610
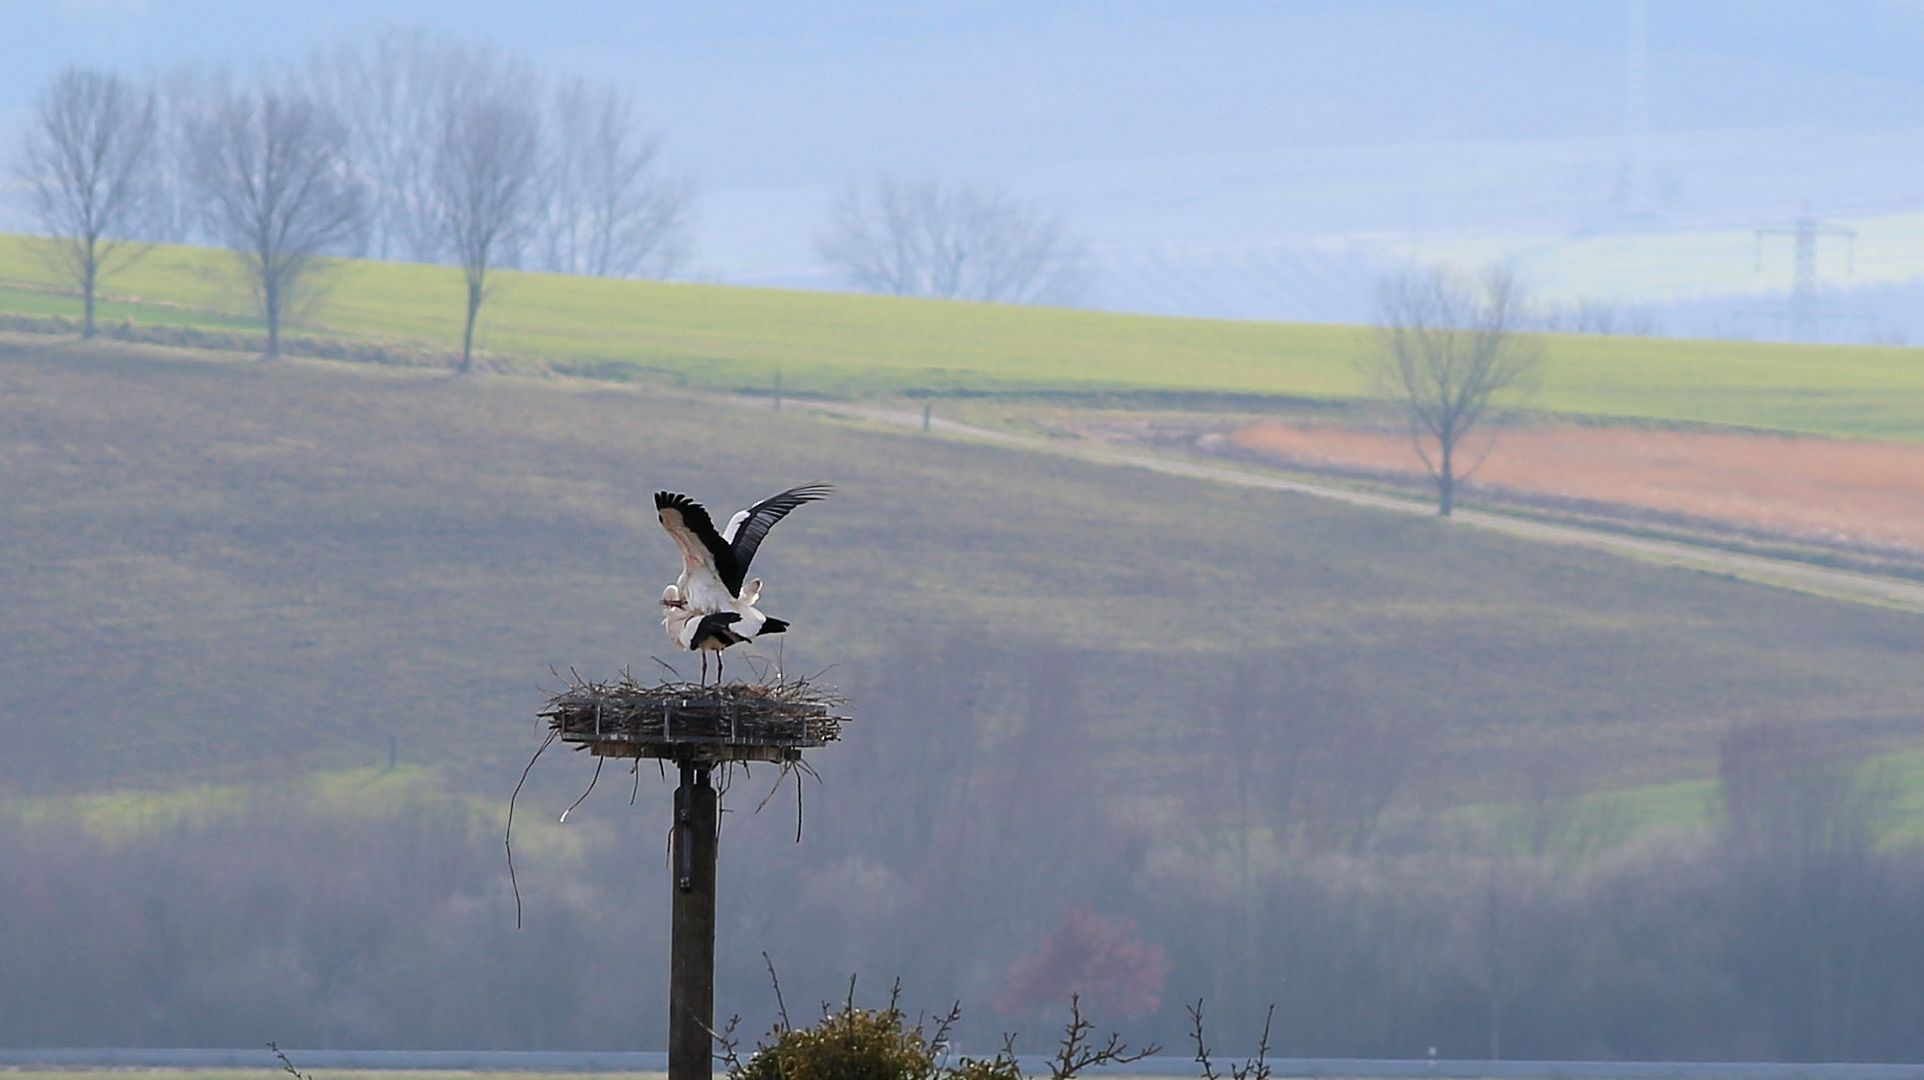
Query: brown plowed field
1855	493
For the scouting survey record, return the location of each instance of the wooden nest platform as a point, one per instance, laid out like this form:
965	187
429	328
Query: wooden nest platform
697	724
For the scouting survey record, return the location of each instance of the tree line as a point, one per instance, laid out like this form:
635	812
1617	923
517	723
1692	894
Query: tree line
973	841
410	146
400	146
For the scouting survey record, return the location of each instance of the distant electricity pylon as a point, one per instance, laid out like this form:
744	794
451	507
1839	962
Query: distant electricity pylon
1806	310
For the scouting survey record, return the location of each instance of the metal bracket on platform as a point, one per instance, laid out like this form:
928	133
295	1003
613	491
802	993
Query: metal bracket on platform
684	821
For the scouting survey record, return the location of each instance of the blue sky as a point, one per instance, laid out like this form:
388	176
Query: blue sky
1154	125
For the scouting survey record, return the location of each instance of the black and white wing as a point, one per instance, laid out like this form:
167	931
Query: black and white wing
703	551
746	529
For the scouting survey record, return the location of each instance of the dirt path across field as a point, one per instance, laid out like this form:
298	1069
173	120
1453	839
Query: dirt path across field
1782	573
1835	490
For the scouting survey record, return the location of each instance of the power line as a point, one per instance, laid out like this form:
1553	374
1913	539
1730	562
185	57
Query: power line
1806	309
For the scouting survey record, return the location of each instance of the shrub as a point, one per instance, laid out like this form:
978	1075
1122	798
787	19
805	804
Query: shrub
862	1044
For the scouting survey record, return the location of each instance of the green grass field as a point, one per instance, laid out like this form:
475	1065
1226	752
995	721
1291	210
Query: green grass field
719	338
1691	805
129	814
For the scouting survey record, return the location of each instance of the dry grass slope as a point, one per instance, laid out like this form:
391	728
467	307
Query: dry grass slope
226	570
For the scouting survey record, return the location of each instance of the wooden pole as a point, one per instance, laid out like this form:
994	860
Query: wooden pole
691	975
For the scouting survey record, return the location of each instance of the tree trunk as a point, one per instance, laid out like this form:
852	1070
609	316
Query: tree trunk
1496	1028
87	299
271	303
1446	481
467	334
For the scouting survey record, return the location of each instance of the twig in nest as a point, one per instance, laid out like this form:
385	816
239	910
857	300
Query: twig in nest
780	776
508	840
800	768
789	711
592	781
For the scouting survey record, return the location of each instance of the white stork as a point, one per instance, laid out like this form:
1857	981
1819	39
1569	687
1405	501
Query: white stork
714	631
711	606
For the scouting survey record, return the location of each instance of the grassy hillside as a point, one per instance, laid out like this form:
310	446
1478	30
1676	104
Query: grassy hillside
731	338
223	570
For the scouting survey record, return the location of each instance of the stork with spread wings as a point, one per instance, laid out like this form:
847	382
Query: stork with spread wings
712	605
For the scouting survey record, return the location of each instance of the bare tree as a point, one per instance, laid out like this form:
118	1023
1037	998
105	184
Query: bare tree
84	164
485	166
1449	347
392	90
1549	819
1800	835
604	206
184	98
1506	929
271	168
924	238
1587	316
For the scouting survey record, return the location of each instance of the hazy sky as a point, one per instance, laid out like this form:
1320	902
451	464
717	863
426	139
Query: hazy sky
1155	125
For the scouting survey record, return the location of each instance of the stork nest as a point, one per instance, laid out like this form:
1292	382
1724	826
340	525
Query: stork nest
627	718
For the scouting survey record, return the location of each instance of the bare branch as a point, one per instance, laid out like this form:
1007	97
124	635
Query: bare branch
1447	349
288	1066
604	207
945	1027
391	90
922	238
272	172
727	1050
85	164
1076	1052
1196	1035
1256	1068
485	163
781	1007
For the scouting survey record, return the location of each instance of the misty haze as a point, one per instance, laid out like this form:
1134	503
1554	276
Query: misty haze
978	540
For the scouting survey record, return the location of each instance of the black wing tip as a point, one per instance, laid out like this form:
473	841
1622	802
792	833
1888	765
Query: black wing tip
810	492
666	499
